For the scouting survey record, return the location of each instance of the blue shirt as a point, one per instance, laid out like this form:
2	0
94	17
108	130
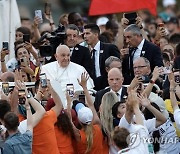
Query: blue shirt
18	143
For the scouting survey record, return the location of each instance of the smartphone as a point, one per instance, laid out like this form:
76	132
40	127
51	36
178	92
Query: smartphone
145	78
43	80
26	38
166	70
5	88
82	98
70	89
131	17
47	8
21	95
5	45
38	13
23	61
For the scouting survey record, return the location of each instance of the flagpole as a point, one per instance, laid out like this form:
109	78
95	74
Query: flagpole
9	27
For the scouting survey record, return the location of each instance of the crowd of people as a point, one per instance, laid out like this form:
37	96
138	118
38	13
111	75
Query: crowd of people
99	88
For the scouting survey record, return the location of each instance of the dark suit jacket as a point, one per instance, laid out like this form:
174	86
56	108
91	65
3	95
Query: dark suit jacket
81	55
177	63
149	51
106	50
100	94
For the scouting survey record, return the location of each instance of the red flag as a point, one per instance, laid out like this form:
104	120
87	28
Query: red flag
100	7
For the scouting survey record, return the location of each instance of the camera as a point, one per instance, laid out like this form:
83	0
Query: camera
55	38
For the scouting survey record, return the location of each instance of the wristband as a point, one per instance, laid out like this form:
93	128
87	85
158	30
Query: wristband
2	61
151	81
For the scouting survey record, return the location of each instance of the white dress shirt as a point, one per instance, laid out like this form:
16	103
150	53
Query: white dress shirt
119	93
97	67
138	50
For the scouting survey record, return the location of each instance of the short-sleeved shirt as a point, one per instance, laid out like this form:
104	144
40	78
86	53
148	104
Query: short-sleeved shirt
64	141
18	143
97	141
44	139
139	145
177	117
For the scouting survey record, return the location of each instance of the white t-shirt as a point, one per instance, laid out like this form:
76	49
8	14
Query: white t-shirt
138	145
150	124
22	126
169	139
177	117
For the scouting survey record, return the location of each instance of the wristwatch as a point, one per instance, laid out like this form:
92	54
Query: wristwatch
28	96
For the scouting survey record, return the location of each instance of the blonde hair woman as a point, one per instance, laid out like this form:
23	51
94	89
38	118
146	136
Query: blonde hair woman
106	117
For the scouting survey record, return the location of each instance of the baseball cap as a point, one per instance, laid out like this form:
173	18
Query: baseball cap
168	2
102	21
85	115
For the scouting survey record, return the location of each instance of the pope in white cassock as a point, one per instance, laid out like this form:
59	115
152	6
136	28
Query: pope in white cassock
64	71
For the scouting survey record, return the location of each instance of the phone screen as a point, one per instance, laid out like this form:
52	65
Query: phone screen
5	88
70	89
38	13
47	8
43	80
177	77
26	38
131	17
5	45
21	94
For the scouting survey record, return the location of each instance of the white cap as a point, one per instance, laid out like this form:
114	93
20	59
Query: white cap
85	115
102	21
160	102
168	2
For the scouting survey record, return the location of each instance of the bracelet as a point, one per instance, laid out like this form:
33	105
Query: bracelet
51	24
2	61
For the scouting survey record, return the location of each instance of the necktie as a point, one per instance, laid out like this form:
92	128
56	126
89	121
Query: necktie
94	62
131	55
71	51
118	96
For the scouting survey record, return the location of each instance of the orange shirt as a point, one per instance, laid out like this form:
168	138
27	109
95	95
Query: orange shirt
44	139
21	117
64	142
97	147
105	147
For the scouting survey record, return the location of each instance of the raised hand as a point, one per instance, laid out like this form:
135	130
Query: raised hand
84	78
4	52
144	101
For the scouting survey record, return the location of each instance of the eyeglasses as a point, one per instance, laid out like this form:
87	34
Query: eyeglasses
139	67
